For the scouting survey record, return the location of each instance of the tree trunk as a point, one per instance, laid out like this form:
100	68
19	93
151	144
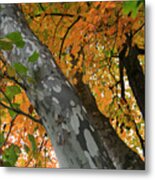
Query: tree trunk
136	77
76	143
134	73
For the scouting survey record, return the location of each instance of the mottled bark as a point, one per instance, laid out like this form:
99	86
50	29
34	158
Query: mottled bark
67	122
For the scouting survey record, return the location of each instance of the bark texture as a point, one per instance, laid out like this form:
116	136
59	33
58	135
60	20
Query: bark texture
66	120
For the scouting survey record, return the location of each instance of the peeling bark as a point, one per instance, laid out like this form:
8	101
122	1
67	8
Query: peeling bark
68	124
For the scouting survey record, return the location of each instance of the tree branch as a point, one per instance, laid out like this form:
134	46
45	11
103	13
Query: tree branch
21	112
138	29
64	37
11	125
53	14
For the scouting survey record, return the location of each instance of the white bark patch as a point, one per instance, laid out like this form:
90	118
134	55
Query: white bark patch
67	83
50	78
84	109
72	103
35	67
53	64
77	110
40	63
45	86
65	127
30	46
91	144
15	50
91	163
57	88
40	95
55	100
91	127
43	55
75	124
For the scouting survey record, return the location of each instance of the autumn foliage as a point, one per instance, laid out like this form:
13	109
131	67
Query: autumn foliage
86	40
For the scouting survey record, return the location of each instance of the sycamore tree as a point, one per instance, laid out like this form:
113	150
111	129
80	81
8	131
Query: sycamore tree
72	74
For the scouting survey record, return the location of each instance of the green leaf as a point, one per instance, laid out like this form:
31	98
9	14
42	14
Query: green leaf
16	105
35	129
20	69
11	91
12	113
130	6
55	10
2	139
33	143
66	5
45	34
16	38
34	57
5	45
11	71
108	53
30	80
26	148
10	155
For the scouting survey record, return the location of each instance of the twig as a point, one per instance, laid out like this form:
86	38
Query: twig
140	139
41	6
8	134
56	29
6	98
13	79
138	29
68	29
53	14
21	112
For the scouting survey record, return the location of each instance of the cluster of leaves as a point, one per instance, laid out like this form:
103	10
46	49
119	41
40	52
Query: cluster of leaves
86	38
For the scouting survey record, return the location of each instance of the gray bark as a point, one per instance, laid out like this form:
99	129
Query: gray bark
76	143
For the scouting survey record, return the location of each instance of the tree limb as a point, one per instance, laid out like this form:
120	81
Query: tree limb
64	37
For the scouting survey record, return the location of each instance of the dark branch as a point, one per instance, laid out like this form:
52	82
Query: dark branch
10	129
41	6
53	14
21	112
13	79
68	29
140	139
121	67
138	29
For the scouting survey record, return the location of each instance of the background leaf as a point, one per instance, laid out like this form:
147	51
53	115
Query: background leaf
11	91
5	45
2	139
33	143
34	57
10	155
20	69
16	38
